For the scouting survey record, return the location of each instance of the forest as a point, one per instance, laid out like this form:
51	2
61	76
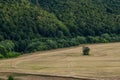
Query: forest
34	25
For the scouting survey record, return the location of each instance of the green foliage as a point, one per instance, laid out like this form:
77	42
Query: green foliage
12	54
36	46
10	78
1	56
33	25
51	44
86	17
81	39
3	50
6	46
86	50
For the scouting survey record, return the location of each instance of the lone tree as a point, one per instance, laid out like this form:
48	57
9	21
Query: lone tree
86	50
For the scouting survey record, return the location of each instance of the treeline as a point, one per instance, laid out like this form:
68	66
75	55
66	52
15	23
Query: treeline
8	48
33	25
54	43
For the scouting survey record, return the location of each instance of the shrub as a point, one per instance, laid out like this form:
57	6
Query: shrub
12	54
6	47
81	39
51	44
42	47
8	44
1	56
33	46
10	77
74	42
3	50
86	50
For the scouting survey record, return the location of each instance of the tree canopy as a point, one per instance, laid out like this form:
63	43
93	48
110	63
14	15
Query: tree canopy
46	24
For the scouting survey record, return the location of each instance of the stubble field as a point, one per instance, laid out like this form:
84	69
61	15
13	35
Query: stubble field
103	63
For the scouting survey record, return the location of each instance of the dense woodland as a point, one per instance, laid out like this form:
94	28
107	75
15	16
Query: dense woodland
35	25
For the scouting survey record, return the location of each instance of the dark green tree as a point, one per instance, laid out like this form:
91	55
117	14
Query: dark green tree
86	51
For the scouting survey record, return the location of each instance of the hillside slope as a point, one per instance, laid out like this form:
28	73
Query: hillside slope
46	24
86	17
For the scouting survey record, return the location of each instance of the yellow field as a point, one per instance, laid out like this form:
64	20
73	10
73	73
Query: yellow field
103	63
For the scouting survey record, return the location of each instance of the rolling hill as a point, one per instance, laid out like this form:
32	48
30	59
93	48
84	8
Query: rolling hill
34	25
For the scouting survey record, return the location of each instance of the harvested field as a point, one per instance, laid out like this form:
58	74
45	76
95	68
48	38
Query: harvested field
102	64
